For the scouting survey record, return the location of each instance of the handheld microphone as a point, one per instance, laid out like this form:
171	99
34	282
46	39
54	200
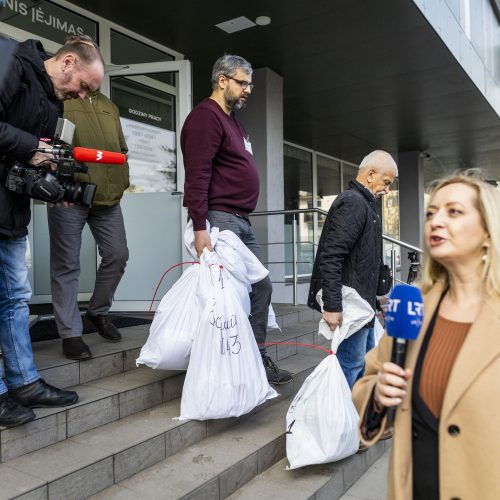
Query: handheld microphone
98	156
403	320
86	155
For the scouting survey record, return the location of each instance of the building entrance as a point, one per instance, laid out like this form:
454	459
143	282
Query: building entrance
151	85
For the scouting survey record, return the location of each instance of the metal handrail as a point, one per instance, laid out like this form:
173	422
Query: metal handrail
297	211
292	211
402	244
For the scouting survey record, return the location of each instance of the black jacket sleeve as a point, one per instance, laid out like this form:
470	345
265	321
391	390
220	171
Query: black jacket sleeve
14	141
345	226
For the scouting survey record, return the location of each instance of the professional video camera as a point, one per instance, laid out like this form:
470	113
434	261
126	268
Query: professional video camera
44	184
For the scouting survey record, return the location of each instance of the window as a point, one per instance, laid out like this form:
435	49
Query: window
349	173
126	50
298	180
148	120
329	185
332	177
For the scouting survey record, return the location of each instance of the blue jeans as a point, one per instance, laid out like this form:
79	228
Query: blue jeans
351	353
15	292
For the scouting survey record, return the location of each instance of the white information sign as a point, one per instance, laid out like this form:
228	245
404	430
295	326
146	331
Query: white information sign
151	157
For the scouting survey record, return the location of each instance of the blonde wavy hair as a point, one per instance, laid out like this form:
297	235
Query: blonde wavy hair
488	205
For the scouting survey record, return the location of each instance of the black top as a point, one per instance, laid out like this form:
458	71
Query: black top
28	111
425	427
349	250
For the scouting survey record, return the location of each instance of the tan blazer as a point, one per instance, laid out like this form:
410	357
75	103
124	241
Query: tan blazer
469	462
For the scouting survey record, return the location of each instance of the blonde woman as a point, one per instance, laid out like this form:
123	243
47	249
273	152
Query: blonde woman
446	432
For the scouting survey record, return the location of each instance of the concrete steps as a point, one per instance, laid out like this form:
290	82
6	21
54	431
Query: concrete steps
120	439
215	467
86	463
110	386
109	358
101	402
318	482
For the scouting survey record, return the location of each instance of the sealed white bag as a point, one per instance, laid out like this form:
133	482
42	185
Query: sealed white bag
356	313
271	319
378	330
322	421
175	324
225	377
244	267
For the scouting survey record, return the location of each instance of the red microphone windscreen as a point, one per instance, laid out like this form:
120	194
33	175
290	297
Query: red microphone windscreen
98	156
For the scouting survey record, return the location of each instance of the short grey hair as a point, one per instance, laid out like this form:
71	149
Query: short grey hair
376	159
228	65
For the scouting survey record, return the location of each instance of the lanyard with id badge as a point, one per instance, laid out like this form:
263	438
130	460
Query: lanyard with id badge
248	144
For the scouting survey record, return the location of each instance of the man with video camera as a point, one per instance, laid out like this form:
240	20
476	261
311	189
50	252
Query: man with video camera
30	104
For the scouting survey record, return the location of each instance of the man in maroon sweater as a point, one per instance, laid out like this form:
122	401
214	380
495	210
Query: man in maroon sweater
222	181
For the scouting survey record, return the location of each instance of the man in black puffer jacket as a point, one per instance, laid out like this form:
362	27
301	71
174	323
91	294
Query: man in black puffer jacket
350	253
30	103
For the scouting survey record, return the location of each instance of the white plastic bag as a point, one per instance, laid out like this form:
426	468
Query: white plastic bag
226	376
271	319
322	421
356	313
233	253
378	330
238	259
175	324
243	266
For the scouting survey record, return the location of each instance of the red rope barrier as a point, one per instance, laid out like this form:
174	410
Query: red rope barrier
168	270
161	279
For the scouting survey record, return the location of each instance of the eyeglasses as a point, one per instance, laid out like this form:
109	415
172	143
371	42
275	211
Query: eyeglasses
242	83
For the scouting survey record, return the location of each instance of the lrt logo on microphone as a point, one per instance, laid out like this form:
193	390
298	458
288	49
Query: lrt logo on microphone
99	156
414	308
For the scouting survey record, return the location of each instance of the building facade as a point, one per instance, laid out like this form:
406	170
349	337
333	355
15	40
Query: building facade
334	80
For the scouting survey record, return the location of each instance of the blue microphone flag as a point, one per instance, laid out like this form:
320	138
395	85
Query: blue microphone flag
404	312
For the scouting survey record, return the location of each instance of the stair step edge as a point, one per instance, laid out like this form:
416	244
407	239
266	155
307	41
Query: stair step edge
192	428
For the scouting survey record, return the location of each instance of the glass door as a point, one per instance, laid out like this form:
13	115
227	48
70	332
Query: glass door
154	100
151	85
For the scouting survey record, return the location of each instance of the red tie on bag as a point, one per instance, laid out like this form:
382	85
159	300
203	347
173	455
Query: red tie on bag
166	272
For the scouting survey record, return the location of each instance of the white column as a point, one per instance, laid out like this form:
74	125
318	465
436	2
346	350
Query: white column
263	120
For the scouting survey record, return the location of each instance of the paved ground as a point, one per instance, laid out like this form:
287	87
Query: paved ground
372	484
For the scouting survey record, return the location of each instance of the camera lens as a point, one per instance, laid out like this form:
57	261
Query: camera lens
81	193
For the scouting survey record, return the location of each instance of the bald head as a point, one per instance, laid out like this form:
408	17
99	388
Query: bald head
377	172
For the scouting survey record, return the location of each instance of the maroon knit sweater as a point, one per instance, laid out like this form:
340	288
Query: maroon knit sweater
220	171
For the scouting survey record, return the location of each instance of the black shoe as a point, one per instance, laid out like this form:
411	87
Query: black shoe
39	394
12	413
274	374
76	348
105	328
